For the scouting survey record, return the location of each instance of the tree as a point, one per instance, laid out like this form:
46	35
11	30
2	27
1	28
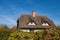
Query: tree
4	32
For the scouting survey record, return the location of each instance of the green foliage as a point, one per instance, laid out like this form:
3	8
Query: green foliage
4	32
39	35
28	36
52	34
13	34
16	35
55	35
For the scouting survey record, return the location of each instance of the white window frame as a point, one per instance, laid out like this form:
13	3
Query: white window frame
31	23
45	24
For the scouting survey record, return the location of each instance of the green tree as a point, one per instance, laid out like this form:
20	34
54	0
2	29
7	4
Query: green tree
4	32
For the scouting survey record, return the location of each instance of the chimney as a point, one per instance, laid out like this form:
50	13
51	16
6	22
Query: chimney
33	14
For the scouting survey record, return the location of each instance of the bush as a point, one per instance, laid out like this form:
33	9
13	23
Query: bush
10	34
4	33
39	35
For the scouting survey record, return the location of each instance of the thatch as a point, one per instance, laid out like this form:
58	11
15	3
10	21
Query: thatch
23	21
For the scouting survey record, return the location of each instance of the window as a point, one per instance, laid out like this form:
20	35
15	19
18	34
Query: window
45	24
31	23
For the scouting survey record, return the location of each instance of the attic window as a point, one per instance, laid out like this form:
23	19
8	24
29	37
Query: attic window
31	23
45	24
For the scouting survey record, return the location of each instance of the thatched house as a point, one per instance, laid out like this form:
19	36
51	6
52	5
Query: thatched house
34	22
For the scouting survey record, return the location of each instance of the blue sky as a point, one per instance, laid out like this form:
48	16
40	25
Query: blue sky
10	10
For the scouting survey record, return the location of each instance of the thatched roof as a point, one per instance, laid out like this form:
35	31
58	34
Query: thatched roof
23	21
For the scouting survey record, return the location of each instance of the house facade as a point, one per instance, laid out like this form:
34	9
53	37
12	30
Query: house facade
30	23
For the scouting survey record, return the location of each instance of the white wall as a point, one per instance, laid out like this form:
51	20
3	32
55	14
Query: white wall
24	30
36	30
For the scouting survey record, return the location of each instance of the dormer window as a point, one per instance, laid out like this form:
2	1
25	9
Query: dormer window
45	24
31	23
